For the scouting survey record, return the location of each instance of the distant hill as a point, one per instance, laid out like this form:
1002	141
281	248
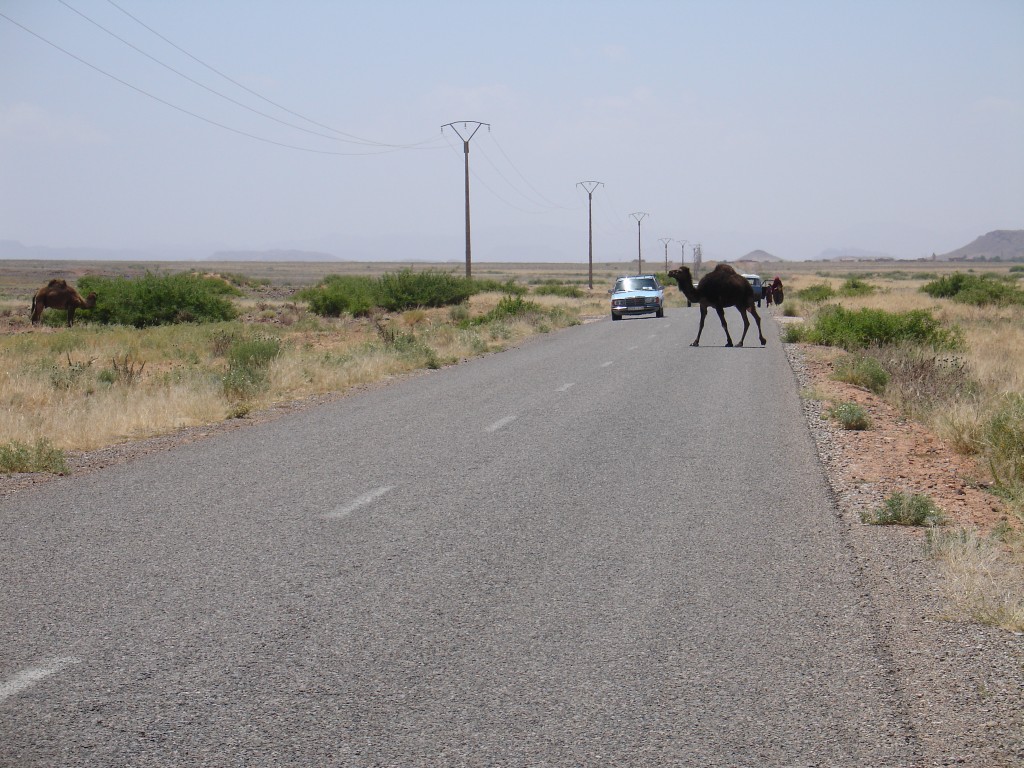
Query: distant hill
272	256
999	245
759	255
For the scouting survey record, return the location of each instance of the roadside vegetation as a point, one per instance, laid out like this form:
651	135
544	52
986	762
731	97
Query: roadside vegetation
945	350
162	352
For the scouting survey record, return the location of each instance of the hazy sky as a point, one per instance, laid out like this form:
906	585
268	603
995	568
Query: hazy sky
892	126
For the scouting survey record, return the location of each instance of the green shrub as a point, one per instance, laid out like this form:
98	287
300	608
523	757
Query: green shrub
861	371
856	287
158	300
905	509
1003	437
566	291
979	290
510	287
41	457
337	295
816	293
838	327
794	333
404	290
512	306
850	416
248	360
258	351
358	295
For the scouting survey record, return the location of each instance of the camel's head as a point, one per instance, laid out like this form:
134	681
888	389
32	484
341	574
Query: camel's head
90	300
681	274
684	280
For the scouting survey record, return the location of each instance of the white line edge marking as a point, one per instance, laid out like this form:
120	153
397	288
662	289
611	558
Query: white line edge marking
33	675
566	387
499	424
362	501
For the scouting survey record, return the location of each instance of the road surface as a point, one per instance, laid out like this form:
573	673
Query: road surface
604	548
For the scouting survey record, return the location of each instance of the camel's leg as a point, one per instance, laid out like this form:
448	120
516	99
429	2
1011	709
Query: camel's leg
700	329
37	311
760	335
746	322
71	314
725	327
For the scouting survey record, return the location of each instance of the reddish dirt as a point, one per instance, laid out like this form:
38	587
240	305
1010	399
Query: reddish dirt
895	454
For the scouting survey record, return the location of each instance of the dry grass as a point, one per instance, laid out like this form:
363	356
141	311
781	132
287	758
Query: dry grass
956	396
984	577
69	386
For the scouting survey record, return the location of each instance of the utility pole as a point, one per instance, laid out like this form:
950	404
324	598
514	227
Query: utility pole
682	252
696	261
665	241
639	216
465	146
590	186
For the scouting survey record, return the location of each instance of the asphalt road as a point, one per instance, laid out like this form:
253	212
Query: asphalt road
604	548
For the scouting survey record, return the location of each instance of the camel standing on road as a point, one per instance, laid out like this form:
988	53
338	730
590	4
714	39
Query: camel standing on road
57	294
720	288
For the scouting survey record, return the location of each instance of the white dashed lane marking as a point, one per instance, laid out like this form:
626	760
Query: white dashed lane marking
607	363
499	424
33	675
362	501
566	387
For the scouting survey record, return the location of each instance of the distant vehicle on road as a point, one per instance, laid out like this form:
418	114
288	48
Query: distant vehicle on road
757	285
638	295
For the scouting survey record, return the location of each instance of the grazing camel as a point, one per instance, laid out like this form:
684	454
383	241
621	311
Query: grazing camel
720	288
57	294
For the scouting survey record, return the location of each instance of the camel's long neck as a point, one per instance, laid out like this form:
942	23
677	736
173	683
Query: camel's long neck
686	286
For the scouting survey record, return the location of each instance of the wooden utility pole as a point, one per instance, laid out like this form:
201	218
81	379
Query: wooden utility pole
639	216
590	186
465	146
665	241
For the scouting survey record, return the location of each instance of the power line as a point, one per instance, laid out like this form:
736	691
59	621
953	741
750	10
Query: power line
202	85
356	139
166	103
540	194
491	189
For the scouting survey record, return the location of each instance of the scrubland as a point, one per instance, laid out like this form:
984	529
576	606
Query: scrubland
968	389
96	385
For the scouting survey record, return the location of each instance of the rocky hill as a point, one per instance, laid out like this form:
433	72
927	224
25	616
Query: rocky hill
999	245
759	255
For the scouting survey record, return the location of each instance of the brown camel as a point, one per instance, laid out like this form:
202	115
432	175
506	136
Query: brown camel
720	288
57	294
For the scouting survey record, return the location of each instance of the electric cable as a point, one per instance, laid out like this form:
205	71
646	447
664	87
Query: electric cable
206	87
260	96
382	150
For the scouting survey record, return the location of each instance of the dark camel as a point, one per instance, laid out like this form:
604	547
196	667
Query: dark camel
57	294
720	288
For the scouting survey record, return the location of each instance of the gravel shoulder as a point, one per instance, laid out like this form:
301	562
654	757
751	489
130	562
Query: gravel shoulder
963	683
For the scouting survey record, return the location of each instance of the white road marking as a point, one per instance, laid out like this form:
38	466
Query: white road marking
499	424
607	363
566	387
33	675
362	501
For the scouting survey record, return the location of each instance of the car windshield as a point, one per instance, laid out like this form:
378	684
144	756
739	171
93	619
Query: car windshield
636	284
